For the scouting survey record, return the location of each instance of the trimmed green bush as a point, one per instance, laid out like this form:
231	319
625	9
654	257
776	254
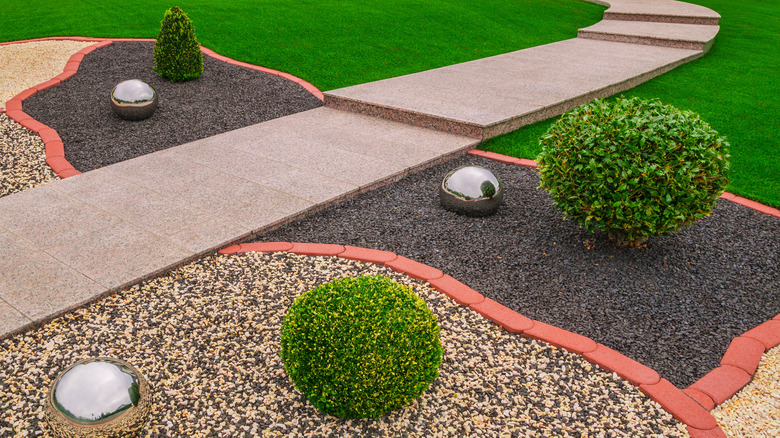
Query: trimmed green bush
635	168
177	54
358	347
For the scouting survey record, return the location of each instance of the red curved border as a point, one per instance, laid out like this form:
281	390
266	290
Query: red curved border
531	163
687	406
55	151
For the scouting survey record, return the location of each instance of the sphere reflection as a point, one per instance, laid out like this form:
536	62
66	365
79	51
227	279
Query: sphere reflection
98	397
133	100
471	191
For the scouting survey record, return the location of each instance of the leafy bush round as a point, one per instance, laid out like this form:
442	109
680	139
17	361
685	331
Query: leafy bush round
177	54
634	168
358	347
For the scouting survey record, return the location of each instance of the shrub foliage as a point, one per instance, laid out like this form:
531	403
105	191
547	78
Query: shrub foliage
177	54
358	347
634	168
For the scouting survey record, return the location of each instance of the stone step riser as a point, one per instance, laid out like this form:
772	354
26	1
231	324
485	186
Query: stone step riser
651	41
653	18
485	132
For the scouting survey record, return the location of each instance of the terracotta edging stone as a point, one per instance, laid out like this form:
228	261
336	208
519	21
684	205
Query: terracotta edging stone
722	383
740	361
701	398
744	353
624	366
13	108
684	407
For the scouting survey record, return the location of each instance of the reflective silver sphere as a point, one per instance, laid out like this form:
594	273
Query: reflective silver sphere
98	397
471	191
133	100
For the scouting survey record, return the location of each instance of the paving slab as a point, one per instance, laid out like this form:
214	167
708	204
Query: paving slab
73	240
79	238
659	10
492	96
683	36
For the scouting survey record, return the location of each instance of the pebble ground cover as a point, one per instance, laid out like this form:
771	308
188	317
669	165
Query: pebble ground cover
206	335
47	346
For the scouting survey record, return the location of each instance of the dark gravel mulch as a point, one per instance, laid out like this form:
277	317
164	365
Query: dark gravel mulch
225	97
674	305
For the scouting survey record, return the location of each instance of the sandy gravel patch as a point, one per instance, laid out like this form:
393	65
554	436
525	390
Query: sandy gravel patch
754	412
25	65
22	158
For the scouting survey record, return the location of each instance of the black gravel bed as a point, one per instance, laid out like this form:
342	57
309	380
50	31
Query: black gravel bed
225	97
673	305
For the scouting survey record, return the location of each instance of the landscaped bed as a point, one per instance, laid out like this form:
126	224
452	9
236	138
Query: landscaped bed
674	305
224	98
206	336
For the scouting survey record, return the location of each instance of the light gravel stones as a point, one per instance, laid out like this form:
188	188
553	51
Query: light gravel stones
206	335
25	65
22	158
755	410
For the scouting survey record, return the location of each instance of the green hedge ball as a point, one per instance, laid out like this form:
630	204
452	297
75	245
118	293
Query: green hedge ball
635	168
358	347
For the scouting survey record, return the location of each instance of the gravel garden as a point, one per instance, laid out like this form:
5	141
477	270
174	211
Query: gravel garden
207	334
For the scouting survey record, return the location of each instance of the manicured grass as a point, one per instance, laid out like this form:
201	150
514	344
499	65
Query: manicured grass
330	43
735	88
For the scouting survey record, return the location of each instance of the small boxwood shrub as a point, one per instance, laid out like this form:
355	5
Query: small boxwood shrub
177	54
358	347
634	168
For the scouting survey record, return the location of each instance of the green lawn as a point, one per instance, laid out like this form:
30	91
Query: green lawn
330	43
334	43
735	87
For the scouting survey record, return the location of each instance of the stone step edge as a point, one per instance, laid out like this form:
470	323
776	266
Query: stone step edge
54	147
646	40
484	132
661	18
698	420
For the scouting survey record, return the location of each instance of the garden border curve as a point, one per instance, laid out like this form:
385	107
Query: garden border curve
54	147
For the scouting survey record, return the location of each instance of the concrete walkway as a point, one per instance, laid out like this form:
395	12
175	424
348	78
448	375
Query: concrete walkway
73	240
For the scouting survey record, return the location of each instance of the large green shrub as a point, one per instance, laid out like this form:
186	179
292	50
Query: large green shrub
634	168
177	54
358	347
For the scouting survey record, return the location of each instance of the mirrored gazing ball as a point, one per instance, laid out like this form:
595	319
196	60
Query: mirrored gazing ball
98	397
471	191
133	100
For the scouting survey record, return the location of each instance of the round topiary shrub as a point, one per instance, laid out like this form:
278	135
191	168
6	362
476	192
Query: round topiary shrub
177	54
634	167
358	347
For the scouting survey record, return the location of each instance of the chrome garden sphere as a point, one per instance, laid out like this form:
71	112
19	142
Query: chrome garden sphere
471	191
98	397
133	100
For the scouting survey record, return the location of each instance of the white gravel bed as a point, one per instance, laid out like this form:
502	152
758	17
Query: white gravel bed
206	335
22	158
754	412
25	65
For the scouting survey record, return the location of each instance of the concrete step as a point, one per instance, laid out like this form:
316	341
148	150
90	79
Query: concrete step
496	95
664	11
680	36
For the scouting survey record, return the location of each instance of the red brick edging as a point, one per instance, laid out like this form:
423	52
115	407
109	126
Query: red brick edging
55	152
740	361
690	406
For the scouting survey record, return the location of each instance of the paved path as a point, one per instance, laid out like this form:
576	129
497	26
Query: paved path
70	241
